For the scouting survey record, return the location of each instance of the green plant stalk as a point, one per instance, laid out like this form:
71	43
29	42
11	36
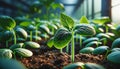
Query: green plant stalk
30	35
106	54
105	41
80	41
106	28
76	37
14	55
67	48
72	48
15	39
45	36
6	44
36	34
53	31
61	51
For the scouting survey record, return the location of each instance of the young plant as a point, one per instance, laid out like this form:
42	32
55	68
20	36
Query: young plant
64	35
103	21
7	23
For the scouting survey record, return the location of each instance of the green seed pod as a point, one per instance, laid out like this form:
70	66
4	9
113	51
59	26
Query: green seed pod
93	66
87	50
6	35
62	38
78	65
23	52
90	40
84	29
5	53
21	33
114	57
31	44
93	43
14	46
101	50
116	43
10	64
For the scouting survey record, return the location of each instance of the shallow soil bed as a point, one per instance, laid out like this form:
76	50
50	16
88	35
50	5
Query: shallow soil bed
46	58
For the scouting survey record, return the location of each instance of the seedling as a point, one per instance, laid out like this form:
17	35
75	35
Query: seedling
87	50
64	35
7	23
102	21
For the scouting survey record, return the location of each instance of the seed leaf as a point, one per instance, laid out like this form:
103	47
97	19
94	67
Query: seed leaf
66	21
62	38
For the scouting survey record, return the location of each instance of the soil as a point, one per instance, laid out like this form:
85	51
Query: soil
49	58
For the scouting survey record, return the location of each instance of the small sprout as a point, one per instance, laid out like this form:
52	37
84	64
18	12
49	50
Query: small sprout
23	52
31	44
93	66
90	40
84	20
114	57
11	64
21	33
87	50
5	53
116	43
7	22
93	43
78	65
101	50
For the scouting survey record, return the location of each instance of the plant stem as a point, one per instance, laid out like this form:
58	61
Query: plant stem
36	34
67	48
72	48
104	41
14	34
60	50
30	35
106	29
7	44
80	41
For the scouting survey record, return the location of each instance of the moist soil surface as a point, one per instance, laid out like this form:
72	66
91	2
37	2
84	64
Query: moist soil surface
46	58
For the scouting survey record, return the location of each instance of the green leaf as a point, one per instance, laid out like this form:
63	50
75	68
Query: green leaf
102	20
25	23
62	38
84	29
87	50
7	22
50	42
23	52
115	49
66	21
84	20
77	65
44	29
114	57
57	5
